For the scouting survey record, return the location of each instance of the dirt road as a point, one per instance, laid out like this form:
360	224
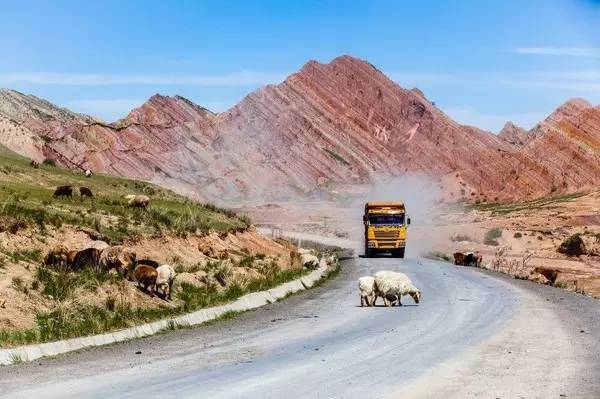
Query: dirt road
475	334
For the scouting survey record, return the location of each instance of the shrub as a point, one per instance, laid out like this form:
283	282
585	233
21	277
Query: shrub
572	245
58	285
49	162
492	235
518	235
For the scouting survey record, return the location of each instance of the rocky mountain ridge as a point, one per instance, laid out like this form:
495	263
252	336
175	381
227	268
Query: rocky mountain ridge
325	130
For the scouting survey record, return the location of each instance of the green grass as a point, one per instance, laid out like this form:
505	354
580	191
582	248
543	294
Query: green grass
78	320
26	255
505	208
572	245
26	200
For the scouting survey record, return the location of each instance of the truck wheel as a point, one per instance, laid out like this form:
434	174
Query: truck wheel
399	253
368	253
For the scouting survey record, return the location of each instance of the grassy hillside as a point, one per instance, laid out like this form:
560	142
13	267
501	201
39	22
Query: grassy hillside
43	303
26	198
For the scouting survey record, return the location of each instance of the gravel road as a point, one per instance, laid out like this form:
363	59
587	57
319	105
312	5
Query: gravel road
475	334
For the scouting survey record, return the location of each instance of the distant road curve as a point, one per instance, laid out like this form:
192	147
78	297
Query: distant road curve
475	334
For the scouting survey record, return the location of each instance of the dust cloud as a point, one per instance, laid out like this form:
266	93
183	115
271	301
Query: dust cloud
421	196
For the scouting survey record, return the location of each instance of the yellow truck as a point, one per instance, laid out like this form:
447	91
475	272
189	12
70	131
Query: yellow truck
385	228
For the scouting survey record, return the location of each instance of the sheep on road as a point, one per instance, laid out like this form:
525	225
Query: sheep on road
366	286
392	286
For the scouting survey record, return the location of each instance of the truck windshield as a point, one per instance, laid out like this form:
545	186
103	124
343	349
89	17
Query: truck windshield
386	219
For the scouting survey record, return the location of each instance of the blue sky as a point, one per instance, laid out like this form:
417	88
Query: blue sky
482	62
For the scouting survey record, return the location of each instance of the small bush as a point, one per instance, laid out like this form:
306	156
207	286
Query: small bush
572	245
49	162
491	236
517	235
59	285
247	261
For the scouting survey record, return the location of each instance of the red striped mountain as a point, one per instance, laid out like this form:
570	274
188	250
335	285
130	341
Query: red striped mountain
324	129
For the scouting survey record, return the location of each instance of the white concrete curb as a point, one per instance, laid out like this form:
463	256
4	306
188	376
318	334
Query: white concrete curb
247	302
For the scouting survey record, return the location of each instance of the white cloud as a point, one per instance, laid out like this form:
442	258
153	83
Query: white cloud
241	78
561	51
574	81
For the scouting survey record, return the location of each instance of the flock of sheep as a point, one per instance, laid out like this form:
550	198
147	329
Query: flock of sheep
389	285
151	277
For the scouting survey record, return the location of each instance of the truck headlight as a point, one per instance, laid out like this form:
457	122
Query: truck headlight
371	244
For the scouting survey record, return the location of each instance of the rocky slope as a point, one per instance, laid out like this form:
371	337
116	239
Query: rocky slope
514	134
325	129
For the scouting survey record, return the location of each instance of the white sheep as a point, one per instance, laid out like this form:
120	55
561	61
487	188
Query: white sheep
392	286
366	286
164	280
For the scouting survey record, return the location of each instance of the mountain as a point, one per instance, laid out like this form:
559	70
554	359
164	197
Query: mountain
325	129
514	135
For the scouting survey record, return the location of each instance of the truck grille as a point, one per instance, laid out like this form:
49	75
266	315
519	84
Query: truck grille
386	239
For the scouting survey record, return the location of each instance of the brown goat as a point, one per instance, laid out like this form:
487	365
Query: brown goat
120	258
89	257
71	258
145	276
57	256
459	258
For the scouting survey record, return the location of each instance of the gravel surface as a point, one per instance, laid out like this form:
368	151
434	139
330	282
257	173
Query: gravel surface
475	334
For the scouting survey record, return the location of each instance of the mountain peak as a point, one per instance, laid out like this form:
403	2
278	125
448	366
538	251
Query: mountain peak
514	134
161	110
569	109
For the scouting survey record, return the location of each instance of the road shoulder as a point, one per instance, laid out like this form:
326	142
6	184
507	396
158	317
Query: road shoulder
520	361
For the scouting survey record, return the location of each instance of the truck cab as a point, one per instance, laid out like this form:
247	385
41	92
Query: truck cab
385	228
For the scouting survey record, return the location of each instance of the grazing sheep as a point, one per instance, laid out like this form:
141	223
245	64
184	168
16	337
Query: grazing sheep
88	173
138	201
57	256
467	259
473	259
164	281
146	276
85	192
148	262
366	286
459	258
63	191
120	258
391	286
89	257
